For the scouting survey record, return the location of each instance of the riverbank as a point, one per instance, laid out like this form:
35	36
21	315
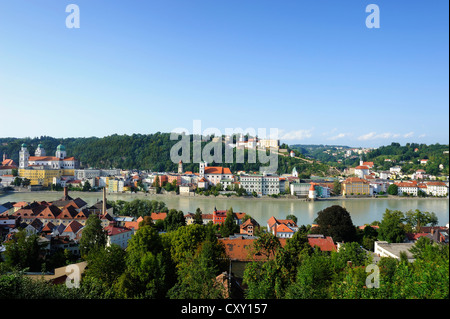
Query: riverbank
233	197
362	210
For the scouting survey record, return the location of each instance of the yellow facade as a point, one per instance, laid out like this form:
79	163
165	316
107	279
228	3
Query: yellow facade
44	177
356	188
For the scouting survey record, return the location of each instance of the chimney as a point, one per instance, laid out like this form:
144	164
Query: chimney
104	201
66	193
4	157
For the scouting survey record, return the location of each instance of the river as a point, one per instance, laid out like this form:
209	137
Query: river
362	211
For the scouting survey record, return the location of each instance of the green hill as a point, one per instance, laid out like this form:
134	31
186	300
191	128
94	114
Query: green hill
142	152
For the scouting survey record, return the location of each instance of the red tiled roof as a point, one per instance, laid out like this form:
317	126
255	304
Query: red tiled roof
9	162
43	158
73	227
20	204
436	184
115	230
284	229
325	244
135	224
241	249
217	170
48	227
158	216
355	180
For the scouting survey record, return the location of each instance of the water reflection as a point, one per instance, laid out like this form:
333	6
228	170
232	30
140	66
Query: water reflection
361	210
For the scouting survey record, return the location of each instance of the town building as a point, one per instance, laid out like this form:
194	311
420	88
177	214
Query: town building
41	169
437	189
118	235
282	228
356	186
249	227
321	242
215	174
261	184
393	250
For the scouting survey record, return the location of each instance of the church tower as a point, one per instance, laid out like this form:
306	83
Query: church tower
294	172
24	155
312	192
40	151
61	152
202	169
180	167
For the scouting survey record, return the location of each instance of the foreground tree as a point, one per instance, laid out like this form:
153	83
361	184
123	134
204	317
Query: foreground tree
392	228
335	221
149	272
93	236
23	252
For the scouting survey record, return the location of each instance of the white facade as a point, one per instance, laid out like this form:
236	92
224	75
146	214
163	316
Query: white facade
261	184
395	169
120	238
437	189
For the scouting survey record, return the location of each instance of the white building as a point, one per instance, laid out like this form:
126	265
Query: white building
395	170
362	171
59	161
261	184
410	188
437	189
118	235
393	250
214	174
281	228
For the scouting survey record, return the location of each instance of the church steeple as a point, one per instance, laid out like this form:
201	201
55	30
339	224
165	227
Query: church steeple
40	151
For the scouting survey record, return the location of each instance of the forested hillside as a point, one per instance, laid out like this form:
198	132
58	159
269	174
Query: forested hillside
140	151
408	157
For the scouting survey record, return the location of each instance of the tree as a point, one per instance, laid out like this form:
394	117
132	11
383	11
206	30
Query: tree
17	181
106	264
337	187
418	219
198	219
23	252
335	221
392	189
229	226
87	186
267	244
174	219
93	236
149	271
26	182
292	217
391	228
197	274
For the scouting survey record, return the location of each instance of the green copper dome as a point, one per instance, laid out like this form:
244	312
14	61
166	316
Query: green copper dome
40	145
24	145
61	147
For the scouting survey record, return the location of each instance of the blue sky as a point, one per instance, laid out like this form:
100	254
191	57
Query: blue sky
311	69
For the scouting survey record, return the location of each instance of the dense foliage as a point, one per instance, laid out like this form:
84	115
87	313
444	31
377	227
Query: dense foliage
185	261
143	152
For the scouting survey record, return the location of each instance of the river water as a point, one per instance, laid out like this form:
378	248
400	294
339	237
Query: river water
362	211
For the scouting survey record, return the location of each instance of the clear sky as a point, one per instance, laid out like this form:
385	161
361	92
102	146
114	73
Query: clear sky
310	68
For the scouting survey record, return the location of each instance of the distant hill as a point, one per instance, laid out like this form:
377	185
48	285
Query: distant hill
142	152
384	157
